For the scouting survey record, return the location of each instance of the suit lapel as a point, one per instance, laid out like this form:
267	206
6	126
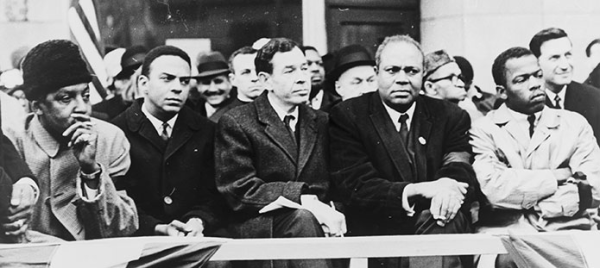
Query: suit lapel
506	121
308	135
182	131
548	121
390	138
274	127
422	123
138	122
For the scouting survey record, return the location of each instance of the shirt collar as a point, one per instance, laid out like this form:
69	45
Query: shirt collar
523	117
395	115
281	112
157	123
551	95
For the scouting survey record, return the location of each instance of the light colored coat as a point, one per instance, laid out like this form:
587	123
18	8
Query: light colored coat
61	211
515	172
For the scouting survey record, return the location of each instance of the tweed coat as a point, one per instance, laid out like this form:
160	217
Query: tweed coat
61	211
516	175
583	99
182	169
258	162
371	166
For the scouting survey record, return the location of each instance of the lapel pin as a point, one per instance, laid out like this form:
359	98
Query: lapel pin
422	141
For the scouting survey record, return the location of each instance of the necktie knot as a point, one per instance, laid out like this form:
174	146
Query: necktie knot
165	128
531	120
557	100
403	118
287	119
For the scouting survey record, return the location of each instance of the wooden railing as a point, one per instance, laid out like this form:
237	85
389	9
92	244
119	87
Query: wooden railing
359	249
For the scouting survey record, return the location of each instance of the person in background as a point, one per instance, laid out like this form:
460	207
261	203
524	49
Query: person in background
243	76
592	51
478	103
538	167
213	85
353	72
443	78
554	51
75	157
319	99
124	83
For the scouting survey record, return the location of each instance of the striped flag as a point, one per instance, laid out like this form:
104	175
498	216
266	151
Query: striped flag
83	23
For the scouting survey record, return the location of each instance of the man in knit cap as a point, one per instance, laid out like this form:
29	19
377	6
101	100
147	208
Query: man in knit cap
75	157
442	77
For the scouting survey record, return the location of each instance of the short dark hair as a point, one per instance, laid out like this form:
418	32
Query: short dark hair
163	51
242	51
265	54
542	36
305	48
499	66
588	49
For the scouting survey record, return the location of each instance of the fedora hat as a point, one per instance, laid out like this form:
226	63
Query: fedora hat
349	57
211	64
132	58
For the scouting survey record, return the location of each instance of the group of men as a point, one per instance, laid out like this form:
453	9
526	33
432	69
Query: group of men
395	158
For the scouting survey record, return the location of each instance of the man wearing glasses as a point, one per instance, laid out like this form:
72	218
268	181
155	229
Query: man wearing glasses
442	77
401	160
171	177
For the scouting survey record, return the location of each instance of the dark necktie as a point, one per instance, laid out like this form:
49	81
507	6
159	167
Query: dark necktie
531	120
403	128
165	135
557	102
286	121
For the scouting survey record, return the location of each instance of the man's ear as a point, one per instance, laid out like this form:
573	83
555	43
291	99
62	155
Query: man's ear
430	88
338	88
501	92
35	106
142	83
265	80
232	78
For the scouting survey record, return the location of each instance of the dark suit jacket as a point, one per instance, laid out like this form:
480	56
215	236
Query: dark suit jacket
257	161
109	109
585	100
199	107
371	166
183	169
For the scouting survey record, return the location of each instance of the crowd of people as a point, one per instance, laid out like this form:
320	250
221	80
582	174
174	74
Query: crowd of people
279	141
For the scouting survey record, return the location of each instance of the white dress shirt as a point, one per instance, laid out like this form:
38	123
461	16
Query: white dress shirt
157	123
561	94
281	113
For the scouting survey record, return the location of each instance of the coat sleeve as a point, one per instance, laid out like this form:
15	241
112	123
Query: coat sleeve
237	177
13	164
358	182
504	186
112	213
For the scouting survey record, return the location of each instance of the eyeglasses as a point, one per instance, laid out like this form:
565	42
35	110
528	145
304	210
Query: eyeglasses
453	77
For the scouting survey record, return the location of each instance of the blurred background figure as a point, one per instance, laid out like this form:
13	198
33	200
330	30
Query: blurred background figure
13	77
443	78
353	72
319	98
243	76
592	51
123	69
213	85
478	102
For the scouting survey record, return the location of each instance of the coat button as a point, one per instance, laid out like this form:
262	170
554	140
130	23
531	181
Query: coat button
168	200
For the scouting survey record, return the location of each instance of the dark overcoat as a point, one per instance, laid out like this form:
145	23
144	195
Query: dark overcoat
585	100
371	165
181	169
258	162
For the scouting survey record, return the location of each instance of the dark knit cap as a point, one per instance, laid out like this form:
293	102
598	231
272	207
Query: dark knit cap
52	65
